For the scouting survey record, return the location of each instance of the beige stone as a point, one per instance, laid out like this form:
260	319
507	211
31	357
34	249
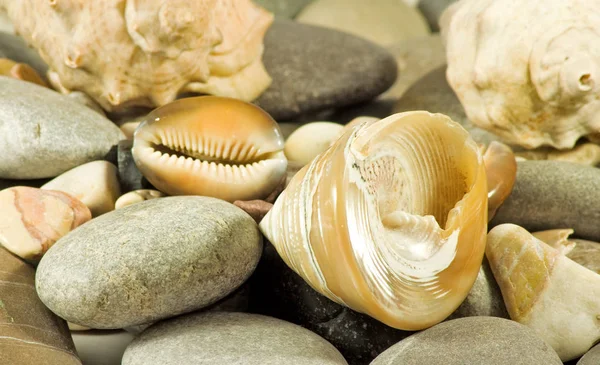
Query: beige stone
384	22
94	183
137	196
306	142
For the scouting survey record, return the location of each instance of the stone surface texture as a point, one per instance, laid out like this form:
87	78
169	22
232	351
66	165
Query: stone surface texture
473	340
44	133
229	338
551	195
315	68
149	261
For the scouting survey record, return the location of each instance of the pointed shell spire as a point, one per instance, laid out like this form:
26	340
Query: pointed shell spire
390	220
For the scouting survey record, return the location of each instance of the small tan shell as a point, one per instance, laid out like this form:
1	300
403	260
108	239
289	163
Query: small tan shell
501	172
212	146
545	290
530	76
390	220
145	52
20	71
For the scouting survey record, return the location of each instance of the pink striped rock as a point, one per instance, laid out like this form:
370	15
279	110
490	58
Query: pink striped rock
32	220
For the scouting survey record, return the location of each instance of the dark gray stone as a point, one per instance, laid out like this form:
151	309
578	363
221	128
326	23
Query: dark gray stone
591	357
44	133
432	10
473	340
278	291
284	8
229	338
149	261
433	94
315	68
485	297
554	194
130	177
5	183
15	48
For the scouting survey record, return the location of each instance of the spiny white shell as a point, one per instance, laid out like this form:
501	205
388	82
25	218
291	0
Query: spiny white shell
145	52
527	70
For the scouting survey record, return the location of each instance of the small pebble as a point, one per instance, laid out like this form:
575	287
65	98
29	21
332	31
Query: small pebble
137	196
308	141
32	220
257	209
94	183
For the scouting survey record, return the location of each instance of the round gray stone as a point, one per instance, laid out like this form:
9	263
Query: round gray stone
44	133
485	297
432	10
473	340
315	68
149	261
283	8
15	48
591	357
433	94
232	339
554	194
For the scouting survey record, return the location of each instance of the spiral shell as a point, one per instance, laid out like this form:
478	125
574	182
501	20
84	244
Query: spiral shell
211	146
145	52
390	220
527	70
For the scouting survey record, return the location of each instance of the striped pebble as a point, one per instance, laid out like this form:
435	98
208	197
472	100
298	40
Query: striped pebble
32	220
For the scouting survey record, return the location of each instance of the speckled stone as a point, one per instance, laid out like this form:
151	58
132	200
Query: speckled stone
149	261
473	340
44	133
283	8
315	68
279	292
29	332
591	357
229	338
383	22
485	297
433	94
432	10
554	194
15	48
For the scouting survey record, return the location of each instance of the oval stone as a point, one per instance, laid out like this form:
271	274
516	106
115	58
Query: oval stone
44	133
472	340
149	261
229	338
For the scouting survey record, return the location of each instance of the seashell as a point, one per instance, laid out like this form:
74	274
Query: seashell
585	154
546	291
20	71
501	173
137	196
390	220
212	146
145	53
306	142
543	89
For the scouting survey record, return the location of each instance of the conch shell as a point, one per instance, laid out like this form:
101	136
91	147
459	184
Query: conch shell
390	220
144	53
527	75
